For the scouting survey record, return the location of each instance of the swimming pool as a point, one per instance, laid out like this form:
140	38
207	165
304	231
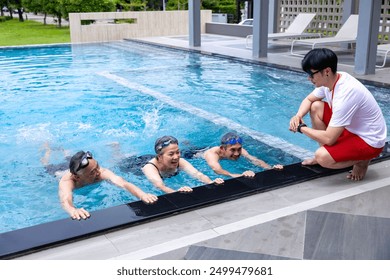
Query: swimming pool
91	97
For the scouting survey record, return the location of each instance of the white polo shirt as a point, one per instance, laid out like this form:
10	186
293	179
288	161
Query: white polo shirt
355	108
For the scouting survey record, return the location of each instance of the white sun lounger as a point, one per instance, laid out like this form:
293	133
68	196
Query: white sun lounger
346	34
384	50
295	30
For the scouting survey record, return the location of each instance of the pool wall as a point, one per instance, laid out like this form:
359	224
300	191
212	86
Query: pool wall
36	238
149	24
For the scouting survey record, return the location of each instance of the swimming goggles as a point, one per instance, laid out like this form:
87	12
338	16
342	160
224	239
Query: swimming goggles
84	161
232	141
165	144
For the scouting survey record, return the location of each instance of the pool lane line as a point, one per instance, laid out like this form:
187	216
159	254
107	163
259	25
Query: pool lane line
243	224
214	118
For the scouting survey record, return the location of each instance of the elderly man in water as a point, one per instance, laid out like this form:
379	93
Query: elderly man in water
231	149
85	170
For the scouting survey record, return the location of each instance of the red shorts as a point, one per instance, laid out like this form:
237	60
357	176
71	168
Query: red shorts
348	146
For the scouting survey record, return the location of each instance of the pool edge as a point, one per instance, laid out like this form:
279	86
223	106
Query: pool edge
34	239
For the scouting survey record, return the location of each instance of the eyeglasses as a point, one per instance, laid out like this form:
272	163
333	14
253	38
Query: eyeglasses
311	74
232	141
84	161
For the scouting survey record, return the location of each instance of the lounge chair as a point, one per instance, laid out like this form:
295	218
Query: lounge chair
346	34
384	50
295	30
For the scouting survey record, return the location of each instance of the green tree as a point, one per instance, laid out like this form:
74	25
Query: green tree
220	6
61	8
18	6
38	6
13	5
3	3
217	6
87	6
176	5
46	7
139	5
155	5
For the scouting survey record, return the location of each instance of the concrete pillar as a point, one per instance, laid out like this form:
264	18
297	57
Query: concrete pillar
194	23
367	38
349	7
260	28
273	16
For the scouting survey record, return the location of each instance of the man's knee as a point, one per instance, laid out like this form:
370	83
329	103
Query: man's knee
317	108
317	115
323	158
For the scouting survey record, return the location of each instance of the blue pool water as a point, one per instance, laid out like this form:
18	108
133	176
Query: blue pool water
116	99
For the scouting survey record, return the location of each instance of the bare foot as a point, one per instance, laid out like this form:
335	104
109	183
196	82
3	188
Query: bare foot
359	171
309	161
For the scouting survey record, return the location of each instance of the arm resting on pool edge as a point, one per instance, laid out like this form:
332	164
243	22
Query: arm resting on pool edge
153	176
212	160
259	162
195	173
65	193
133	189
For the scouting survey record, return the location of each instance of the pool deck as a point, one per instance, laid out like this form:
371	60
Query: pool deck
324	218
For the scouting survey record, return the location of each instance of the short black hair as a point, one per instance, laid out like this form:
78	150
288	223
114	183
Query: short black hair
163	142
319	59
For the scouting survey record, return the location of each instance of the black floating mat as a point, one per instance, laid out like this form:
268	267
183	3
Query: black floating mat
207	253
35	238
207	194
60	231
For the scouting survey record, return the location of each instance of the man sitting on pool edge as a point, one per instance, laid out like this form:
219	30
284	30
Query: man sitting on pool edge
231	149
85	170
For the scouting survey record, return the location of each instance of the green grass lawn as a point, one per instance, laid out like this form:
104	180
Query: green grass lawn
15	33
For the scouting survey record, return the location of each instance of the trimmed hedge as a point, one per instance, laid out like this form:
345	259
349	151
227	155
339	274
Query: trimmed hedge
5	18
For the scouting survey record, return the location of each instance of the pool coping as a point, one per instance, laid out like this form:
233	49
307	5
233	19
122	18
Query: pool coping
36	238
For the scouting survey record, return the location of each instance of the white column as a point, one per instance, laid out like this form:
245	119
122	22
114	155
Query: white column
273	16
367	38
194	23
260	28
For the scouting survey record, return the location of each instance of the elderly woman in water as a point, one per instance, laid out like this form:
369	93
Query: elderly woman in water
168	163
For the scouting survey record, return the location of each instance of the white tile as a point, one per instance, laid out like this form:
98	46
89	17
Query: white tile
157	232
95	248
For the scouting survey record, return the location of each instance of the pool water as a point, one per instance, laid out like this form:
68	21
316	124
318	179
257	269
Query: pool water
115	99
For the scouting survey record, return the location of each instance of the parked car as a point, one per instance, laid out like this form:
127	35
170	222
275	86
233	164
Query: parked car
248	21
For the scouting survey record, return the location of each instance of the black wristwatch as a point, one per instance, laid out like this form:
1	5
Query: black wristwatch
300	126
